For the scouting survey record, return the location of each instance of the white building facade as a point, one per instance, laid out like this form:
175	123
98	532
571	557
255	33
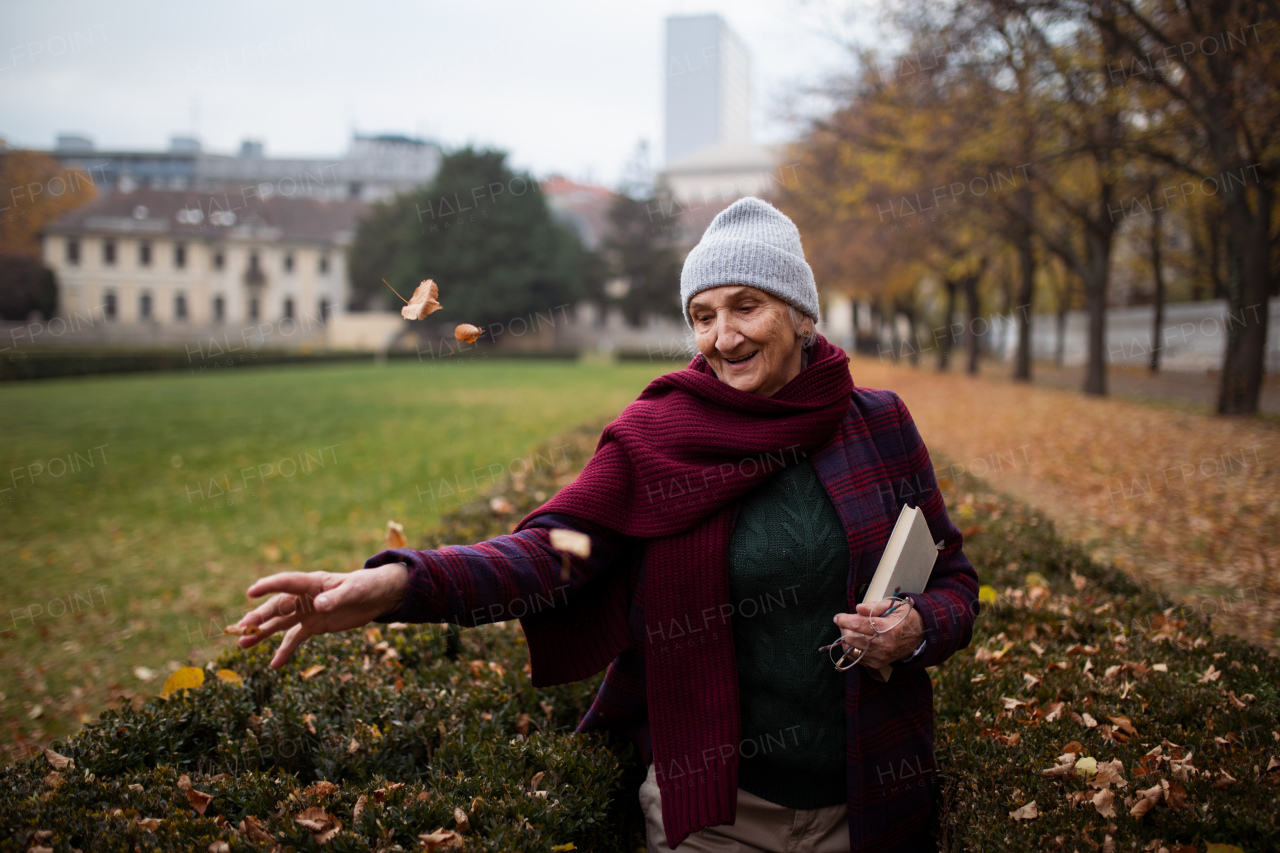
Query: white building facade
157	265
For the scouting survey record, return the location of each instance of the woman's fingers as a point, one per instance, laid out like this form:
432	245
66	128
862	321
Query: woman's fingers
292	640
298	583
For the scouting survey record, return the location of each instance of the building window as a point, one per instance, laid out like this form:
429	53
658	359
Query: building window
180	255
288	262
218	260
109	304
144	254
324	264
180	307
144	306
109	252
288	308
219	309
73	251
253	308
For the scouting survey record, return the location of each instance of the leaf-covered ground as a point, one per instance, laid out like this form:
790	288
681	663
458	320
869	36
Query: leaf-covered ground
1189	502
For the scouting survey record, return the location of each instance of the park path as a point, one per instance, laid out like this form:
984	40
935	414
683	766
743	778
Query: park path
1185	501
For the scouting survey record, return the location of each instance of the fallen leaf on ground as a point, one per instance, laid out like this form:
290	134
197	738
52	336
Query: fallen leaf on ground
441	839
229	676
199	799
309	720
1124	724
322	788
460	818
1210	674
395	535
1089	721
358	808
1104	802
522	724
59	762
150	824
1027	812
423	302
186	678
254	830
311	672
319	823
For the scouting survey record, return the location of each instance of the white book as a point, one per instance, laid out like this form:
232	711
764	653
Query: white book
906	563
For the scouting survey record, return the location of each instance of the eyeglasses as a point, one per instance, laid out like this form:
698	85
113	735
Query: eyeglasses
849	657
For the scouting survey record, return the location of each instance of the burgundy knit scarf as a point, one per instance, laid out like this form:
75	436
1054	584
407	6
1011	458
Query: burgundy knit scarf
670	470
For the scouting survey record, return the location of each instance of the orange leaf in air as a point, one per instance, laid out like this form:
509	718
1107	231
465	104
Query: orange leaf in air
395	536
423	301
467	333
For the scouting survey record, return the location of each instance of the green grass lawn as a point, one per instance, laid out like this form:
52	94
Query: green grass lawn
200	484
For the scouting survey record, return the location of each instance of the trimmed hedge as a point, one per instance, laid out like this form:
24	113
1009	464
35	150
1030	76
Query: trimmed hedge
412	732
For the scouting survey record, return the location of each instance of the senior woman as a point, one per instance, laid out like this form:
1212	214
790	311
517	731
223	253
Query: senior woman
737	511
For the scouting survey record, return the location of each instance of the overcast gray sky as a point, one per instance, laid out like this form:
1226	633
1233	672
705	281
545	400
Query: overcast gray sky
564	85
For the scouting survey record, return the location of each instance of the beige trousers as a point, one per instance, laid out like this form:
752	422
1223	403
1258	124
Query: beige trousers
760	827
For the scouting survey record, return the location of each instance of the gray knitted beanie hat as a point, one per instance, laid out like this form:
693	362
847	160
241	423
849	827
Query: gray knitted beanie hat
751	242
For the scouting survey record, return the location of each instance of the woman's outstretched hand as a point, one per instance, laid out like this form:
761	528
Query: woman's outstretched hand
882	649
310	603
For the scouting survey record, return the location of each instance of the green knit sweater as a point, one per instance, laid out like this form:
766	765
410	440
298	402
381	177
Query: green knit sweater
788	566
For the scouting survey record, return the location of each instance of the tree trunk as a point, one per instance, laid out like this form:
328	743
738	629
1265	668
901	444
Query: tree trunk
1026	289
969	284
1097	263
1157	338
944	344
1060	349
1248	291
912	344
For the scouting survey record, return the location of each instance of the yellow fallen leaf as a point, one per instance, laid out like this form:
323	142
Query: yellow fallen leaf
395	535
987	594
423	301
1087	767
230	676
186	678
562	848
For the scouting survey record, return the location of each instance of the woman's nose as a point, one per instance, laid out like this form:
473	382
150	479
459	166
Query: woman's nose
727	335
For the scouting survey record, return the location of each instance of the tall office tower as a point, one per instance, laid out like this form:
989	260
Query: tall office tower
707	85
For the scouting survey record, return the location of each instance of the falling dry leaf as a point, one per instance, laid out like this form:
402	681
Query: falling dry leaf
1027	812
241	630
395	535
199	800
186	678
467	333
572	541
311	672
501	505
423	302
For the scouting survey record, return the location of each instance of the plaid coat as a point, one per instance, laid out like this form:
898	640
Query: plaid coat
872	464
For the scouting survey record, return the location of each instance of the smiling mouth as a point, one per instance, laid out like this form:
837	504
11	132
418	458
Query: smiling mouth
742	360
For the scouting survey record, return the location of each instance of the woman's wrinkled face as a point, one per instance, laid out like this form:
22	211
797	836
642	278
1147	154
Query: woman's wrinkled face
747	337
